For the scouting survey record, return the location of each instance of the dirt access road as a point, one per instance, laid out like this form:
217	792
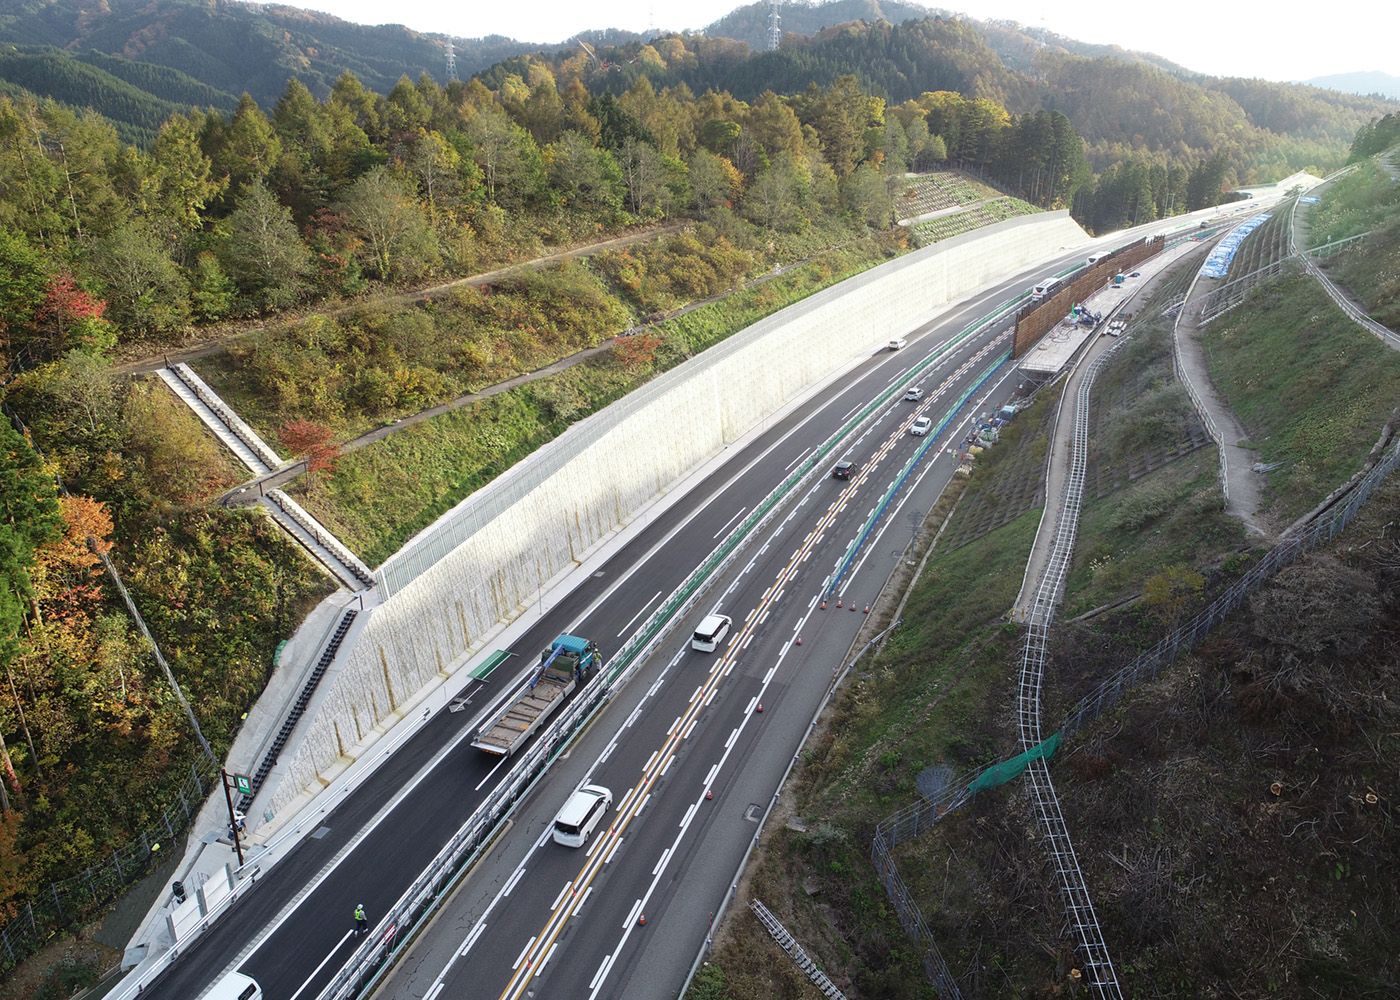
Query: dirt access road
215	344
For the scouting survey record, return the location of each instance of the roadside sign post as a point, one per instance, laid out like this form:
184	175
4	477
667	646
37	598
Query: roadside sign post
244	784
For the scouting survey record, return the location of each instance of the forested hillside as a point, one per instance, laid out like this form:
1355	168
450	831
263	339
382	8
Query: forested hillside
1148	125
237	47
137	97
1016	45
107	248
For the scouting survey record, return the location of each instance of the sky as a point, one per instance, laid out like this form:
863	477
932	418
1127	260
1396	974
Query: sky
1248	37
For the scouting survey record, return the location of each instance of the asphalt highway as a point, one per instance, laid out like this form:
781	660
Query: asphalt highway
569	922
294	931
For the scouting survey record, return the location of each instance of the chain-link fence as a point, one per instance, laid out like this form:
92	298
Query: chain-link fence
64	902
1184	637
906	824
920	816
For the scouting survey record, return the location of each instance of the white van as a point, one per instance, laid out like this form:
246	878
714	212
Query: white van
1095	259
1039	292
235	986
711	633
581	815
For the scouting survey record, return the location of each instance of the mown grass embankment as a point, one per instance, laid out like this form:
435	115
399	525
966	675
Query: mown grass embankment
1365	201
1311	388
1152	498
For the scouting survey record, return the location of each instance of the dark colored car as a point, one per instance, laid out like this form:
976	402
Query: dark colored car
843	469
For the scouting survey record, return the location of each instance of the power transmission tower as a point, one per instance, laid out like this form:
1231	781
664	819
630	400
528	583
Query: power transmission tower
775	30
451	61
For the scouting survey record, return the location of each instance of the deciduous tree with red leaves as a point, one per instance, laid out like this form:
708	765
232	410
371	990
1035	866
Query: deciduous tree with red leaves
312	441
73	316
636	352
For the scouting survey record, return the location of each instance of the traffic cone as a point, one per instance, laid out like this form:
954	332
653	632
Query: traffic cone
853	607
823	604
799	640
709	794
759	709
642	920
838	602
867	609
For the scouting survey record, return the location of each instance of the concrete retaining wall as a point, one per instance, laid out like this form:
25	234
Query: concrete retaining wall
484	562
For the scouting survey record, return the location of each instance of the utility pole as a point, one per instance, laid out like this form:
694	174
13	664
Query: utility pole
775	30
155	649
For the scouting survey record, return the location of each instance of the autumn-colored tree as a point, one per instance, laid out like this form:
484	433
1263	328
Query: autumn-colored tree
73	317
312	441
636	353
67	569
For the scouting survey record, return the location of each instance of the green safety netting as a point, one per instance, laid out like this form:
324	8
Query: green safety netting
1000	774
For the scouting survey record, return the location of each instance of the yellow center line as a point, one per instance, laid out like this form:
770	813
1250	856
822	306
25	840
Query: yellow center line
637	796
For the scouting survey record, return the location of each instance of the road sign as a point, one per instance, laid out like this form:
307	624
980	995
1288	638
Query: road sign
243	784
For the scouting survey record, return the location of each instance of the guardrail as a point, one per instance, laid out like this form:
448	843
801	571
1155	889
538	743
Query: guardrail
929	440
401	921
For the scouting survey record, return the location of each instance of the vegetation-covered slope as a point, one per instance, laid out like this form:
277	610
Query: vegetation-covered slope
137	97
237	47
1234	818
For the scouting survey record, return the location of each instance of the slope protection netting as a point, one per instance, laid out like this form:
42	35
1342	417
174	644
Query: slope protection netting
938	191
947	226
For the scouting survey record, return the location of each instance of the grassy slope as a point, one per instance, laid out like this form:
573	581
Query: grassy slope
1311	388
1173	514
1209	880
381	495
981	881
1371	272
1365	201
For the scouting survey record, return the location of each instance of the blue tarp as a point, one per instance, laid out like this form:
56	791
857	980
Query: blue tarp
1218	263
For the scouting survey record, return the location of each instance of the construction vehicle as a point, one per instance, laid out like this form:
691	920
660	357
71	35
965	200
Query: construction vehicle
568	662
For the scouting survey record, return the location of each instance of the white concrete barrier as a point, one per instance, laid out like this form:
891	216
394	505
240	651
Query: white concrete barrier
483	562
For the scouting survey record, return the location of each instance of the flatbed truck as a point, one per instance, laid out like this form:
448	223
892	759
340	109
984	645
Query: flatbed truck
568	662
